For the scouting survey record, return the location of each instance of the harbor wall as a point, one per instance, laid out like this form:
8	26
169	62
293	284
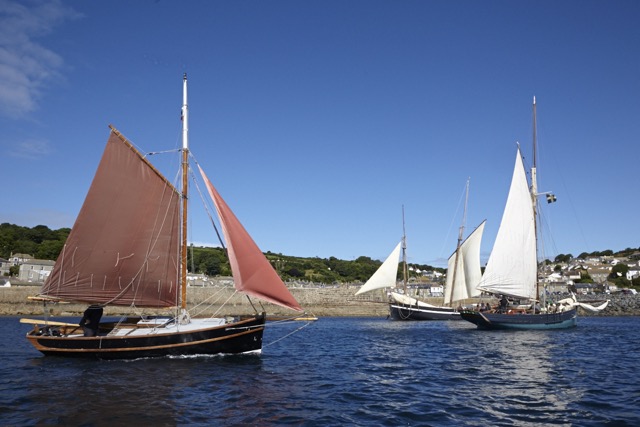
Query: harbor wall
320	301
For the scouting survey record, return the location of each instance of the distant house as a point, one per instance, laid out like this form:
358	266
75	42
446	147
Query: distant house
5	265
436	290
35	270
599	273
431	274
586	288
559	286
573	274
17	259
202	280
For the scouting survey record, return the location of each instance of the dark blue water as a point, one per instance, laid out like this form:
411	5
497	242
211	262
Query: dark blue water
344	371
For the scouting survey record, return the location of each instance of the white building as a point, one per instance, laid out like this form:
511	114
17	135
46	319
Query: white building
35	270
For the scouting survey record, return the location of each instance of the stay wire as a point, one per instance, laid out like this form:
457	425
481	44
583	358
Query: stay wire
295	331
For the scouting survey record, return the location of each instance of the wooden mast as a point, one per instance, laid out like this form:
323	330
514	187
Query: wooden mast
534	193
185	170
405	273
460	234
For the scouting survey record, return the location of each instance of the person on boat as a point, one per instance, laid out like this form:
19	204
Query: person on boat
504	302
90	321
535	307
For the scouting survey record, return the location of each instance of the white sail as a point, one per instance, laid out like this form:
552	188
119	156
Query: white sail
386	275
471	255
455	288
467	272
512	266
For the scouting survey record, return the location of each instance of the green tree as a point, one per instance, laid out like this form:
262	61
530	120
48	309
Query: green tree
25	246
49	249
209	261
584	277
619	270
39	234
14	270
621	282
294	272
563	258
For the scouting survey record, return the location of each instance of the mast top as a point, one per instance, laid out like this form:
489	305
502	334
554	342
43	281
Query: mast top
185	115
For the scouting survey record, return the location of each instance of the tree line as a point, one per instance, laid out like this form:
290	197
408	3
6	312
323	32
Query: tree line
44	243
214	262
39	241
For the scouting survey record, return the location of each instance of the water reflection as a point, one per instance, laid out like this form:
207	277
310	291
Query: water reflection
520	376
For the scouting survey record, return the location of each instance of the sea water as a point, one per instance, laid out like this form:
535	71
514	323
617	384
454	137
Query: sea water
343	371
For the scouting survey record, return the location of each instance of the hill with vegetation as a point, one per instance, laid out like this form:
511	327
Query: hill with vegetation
44	243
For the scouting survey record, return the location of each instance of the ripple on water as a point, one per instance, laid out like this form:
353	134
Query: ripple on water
365	372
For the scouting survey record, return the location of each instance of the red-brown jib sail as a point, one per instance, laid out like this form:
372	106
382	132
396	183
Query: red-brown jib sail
252	272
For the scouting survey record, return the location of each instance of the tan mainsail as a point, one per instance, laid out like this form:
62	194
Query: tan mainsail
123	248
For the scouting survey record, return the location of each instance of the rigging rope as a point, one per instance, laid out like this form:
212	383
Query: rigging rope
295	331
446	240
205	204
212	303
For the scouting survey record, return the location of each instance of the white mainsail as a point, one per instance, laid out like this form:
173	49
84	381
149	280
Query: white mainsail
512	266
386	275
468	272
455	288
471	254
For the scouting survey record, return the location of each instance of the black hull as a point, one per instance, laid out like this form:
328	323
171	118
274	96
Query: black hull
566	319
411	312
232	338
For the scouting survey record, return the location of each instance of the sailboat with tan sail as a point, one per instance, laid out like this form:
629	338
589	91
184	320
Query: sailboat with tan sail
128	247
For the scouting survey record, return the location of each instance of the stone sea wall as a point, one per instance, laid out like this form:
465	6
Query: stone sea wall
327	301
207	301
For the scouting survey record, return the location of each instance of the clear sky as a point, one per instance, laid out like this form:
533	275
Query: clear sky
319	120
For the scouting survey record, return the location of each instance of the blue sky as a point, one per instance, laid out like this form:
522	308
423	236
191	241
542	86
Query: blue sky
318	120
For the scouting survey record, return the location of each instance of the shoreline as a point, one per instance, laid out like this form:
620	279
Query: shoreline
327	301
